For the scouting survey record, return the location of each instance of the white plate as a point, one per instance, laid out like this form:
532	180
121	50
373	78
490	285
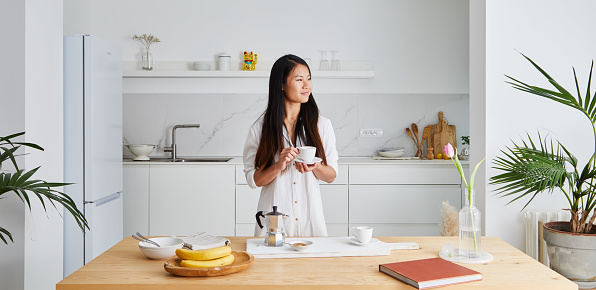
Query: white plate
371	242
316	159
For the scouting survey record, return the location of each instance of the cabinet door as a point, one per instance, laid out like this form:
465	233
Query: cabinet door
187	199
335	208
410	204
247	200
135	198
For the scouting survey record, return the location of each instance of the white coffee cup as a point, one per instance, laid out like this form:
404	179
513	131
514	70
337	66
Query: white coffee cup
307	153
362	233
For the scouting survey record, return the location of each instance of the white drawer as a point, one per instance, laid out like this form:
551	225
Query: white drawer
404	174
342	175
400	203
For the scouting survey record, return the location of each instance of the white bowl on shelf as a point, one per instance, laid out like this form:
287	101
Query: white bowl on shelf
167	249
392	152
141	151
201	66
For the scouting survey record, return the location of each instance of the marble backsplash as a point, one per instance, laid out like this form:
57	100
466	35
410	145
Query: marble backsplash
225	119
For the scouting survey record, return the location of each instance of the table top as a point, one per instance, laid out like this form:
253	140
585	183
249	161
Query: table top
124	267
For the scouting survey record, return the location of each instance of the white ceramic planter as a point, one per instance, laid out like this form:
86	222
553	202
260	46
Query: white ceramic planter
571	255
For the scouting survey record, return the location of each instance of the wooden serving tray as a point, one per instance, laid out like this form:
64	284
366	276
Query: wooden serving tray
242	260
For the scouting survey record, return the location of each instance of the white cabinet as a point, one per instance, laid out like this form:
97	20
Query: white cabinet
401	200
180	199
135	198
185	199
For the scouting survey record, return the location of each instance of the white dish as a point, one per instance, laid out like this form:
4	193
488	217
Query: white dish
201	66
140	151
300	245
371	242
166	251
392	154
316	159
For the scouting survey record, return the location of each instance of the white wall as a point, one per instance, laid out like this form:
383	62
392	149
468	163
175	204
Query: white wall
12	95
32	101
556	35
43	124
415	46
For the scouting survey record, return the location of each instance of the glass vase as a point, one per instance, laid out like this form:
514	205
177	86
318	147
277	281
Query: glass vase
470	220
147	62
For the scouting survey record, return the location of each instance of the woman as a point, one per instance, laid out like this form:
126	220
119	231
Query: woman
291	120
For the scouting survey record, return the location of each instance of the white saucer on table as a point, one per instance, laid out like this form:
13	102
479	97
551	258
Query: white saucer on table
371	242
316	159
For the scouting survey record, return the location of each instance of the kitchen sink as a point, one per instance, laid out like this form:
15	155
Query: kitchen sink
193	159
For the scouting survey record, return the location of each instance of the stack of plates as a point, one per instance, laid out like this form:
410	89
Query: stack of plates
391	152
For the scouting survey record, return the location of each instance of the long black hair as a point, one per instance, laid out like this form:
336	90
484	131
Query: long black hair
306	128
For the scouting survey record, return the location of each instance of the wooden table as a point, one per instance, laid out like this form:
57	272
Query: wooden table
125	267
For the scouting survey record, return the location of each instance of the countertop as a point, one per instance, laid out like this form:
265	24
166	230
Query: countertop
124	267
237	160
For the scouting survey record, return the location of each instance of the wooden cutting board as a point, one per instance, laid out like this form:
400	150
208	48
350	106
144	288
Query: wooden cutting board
441	134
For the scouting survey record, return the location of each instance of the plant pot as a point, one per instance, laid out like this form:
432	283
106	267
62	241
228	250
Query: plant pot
572	255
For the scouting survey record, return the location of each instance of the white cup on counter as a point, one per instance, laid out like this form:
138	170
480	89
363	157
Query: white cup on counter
362	233
307	153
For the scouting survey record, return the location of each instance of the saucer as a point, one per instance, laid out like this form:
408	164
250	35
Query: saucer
371	242
316	159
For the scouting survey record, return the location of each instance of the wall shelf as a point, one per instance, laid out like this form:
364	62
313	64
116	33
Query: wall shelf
241	74
353	70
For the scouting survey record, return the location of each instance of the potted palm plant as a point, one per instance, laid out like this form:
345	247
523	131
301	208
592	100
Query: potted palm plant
540	166
23	184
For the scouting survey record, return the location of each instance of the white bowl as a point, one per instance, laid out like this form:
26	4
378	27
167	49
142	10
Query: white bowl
391	154
201	66
141	151
166	251
300	245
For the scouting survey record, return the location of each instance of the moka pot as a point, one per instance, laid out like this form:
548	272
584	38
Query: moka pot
274	221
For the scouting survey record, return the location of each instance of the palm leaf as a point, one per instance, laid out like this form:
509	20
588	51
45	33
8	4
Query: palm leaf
529	170
4	232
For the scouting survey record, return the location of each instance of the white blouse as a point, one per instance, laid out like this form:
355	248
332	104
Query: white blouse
296	194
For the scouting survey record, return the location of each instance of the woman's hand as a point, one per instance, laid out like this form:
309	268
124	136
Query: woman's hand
303	167
285	157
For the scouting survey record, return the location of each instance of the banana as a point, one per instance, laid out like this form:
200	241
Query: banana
203	255
223	261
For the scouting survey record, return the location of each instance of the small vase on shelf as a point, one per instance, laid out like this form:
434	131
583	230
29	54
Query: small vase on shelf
470	220
147	61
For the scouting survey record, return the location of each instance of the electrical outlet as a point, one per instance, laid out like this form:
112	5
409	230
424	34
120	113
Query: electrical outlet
371	133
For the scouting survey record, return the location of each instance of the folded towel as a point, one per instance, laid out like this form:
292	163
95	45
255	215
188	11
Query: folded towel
202	241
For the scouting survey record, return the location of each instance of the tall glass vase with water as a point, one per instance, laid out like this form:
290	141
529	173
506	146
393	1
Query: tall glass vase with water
470	220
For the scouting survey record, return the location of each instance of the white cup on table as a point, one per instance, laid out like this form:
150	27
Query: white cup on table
362	233
307	153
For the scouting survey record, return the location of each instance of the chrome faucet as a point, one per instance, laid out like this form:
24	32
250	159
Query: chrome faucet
173	147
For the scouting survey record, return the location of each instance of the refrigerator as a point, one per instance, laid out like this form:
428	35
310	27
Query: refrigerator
92	146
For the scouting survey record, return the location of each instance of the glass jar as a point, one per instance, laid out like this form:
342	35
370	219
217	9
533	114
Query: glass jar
224	61
147	63
470	220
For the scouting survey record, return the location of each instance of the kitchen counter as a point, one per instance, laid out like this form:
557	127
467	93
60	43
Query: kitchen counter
124	267
342	160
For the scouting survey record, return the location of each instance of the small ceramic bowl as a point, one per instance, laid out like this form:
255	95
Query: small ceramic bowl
140	151
300	245
392	152
166	251
201	66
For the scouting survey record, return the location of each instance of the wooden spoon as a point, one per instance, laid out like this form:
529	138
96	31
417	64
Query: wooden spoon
415	129
410	133
425	134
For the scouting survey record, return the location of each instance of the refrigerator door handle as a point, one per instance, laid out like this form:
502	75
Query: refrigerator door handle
105	199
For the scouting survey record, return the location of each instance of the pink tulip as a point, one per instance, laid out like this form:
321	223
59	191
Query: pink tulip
448	150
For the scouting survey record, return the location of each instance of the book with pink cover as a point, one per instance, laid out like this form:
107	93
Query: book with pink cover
428	273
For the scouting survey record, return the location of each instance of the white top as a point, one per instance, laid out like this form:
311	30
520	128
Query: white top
295	194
